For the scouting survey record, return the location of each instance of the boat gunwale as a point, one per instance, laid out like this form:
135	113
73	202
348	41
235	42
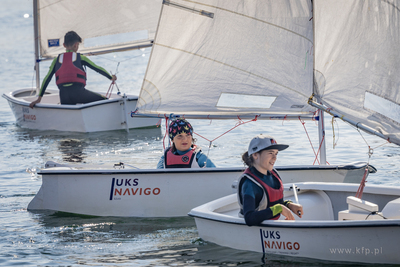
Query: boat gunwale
313	224
61	170
11	98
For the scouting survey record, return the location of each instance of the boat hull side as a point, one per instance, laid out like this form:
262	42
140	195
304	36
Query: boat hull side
107	115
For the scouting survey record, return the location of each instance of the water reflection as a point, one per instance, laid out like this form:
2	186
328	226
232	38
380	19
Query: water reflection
72	150
72	147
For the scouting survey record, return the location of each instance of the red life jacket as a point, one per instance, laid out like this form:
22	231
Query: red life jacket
274	196
67	71
186	160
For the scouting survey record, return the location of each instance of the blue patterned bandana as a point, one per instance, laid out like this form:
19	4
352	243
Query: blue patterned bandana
179	126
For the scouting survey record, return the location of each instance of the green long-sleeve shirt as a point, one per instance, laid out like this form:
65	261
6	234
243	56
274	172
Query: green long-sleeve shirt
85	62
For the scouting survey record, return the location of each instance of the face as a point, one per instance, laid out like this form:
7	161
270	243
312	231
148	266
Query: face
183	141
264	161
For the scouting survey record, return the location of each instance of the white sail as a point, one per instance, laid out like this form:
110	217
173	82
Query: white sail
357	61
103	25
230	57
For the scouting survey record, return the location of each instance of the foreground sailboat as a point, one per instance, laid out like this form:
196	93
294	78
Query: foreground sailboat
203	68
128	192
357	231
355	80
106	26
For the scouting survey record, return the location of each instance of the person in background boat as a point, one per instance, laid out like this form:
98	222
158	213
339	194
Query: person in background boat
260	189
71	76
183	153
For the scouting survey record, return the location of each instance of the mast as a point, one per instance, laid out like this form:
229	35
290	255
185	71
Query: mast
321	120
36	42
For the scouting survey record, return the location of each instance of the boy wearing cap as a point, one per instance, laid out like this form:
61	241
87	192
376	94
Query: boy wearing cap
71	76
260	190
183	153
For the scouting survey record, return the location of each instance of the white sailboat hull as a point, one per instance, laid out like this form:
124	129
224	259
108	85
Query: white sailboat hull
319	234
99	191
106	115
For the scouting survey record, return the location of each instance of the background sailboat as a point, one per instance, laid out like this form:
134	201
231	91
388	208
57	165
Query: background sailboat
105	27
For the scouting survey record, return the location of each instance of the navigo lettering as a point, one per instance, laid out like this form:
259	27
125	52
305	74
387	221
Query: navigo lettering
130	187
271	240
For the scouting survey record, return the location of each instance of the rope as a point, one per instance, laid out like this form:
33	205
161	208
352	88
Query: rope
316	155
110	87
241	122
237	125
360	189
333	132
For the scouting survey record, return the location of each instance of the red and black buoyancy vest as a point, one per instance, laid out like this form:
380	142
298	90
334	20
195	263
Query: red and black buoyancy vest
69	69
187	160
274	196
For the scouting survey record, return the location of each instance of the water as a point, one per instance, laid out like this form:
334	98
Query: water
31	239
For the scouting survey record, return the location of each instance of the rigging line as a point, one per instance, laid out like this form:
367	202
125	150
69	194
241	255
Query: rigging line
319	149
233	67
334	143
241	122
303	122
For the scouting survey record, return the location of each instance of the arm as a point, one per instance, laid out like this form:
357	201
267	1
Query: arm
201	158
296	208
251	197
87	62
45	83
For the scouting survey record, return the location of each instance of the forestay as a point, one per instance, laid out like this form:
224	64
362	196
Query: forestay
357	62
115	25
231	57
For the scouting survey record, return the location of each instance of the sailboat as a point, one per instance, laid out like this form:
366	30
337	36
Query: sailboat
205	63
106	26
355	64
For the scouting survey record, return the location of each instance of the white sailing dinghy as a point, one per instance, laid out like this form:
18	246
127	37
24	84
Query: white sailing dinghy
199	69
355	80
106	26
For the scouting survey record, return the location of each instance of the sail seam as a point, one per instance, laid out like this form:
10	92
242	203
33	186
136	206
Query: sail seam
152	99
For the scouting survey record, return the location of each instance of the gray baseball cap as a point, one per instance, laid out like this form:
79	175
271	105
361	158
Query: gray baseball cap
263	142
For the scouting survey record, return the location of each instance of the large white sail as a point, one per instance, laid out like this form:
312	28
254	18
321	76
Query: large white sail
218	57
103	25
357	61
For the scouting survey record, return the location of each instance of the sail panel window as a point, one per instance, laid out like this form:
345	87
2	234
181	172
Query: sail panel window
119	38
382	106
245	101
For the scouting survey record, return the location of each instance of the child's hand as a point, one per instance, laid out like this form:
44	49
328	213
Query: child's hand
287	213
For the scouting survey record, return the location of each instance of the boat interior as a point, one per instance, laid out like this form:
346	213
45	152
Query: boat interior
328	205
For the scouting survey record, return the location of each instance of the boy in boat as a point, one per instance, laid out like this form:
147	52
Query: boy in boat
260	190
70	74
183	153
